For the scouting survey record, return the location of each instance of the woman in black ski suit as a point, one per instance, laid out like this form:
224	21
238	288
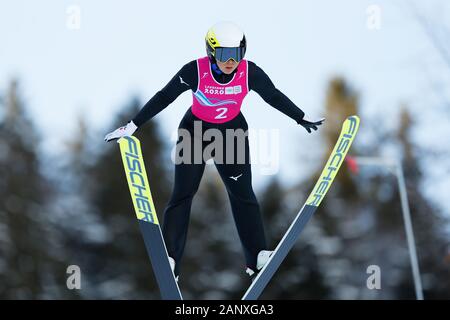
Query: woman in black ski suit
219	83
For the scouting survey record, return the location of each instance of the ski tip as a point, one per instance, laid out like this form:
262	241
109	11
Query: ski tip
353	123
127	140
353	118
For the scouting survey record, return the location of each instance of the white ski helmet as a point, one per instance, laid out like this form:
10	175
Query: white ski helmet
225	41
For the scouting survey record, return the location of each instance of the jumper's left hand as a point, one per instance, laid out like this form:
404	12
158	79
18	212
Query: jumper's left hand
308	124
124	131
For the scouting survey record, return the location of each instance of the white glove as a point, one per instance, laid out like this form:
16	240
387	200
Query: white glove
127	130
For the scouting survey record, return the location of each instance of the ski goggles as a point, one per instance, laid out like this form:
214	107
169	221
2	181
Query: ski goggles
224	54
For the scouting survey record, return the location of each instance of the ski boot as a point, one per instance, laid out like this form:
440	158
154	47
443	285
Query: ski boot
263	257
172	266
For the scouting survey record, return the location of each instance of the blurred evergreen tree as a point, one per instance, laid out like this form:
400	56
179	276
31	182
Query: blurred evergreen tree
29	264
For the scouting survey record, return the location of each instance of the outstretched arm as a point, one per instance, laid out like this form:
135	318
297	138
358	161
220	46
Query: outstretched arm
260	82
183	80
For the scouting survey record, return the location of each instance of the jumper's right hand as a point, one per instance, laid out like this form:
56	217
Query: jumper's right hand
308	124
124	131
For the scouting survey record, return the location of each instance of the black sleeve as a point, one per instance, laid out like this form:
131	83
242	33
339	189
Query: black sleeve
185	79
260	82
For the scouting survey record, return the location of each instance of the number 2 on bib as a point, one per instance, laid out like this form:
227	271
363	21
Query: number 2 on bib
221	115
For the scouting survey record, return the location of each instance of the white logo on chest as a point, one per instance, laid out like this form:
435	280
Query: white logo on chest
233	90
223	90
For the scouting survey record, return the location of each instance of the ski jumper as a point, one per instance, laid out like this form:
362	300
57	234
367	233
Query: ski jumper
217	106
217	100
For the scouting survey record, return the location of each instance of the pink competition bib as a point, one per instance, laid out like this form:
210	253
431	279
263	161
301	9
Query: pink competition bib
215	102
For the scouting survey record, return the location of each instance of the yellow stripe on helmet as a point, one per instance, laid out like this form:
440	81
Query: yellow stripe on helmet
212	40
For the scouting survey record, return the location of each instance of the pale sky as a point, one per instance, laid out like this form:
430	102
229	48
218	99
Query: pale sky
134	47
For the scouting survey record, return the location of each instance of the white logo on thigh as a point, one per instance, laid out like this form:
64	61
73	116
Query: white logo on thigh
237	177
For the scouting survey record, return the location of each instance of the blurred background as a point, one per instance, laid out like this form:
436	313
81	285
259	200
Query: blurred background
71	71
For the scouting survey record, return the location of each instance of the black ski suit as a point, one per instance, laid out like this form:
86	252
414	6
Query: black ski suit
236	176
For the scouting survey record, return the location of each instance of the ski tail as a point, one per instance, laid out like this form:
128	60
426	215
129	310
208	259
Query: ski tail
133	162
335	160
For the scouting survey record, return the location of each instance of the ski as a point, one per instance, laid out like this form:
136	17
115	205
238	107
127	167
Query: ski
348	132
133	162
